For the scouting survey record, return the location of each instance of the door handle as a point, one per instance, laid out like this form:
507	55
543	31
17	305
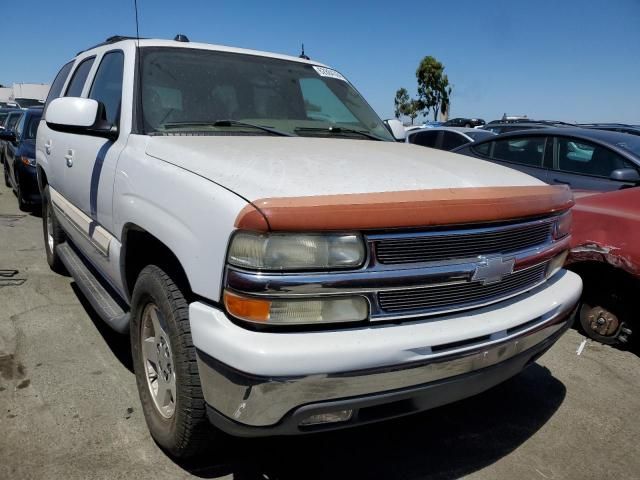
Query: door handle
561	181
69	158
47	147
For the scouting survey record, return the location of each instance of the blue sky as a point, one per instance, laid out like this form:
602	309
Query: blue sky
571	60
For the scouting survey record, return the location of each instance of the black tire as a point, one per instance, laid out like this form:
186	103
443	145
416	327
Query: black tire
187	431
6	175
23	205
57	234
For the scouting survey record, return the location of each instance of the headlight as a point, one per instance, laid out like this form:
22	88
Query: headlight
562	226
30	162
296	312
296	251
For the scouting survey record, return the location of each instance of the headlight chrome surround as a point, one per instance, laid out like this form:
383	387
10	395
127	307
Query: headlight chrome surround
562	226
296	251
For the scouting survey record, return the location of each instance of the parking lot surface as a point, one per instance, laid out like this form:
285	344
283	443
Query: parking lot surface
69	406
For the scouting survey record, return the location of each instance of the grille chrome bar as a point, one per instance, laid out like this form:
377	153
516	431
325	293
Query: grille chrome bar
461	295
426	247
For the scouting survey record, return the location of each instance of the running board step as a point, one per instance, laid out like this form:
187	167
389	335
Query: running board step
101	300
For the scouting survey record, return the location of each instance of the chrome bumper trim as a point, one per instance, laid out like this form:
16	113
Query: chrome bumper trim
263	401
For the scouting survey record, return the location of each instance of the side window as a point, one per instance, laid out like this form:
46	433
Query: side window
578	156
426	139
20	125
321	103
79	77
524	150
483	148
56	87
107	85
452	140
12	120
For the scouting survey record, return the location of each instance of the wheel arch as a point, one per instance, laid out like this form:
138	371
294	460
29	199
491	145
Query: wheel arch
141	248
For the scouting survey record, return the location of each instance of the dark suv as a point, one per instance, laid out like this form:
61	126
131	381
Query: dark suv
20	158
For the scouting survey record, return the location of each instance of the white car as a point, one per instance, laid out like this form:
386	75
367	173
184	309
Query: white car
446	138
281	264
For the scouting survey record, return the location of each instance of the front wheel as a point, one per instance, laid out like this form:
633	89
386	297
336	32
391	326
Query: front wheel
53	233
164	361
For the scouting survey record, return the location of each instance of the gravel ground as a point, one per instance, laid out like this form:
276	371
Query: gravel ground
69	407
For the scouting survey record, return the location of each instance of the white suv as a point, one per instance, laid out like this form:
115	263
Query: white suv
282	265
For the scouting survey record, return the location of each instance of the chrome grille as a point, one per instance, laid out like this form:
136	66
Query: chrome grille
460	295
457	244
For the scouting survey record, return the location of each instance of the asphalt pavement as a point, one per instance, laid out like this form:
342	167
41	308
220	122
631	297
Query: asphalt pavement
69	406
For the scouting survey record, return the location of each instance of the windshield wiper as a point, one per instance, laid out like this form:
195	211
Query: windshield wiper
339	130
228	123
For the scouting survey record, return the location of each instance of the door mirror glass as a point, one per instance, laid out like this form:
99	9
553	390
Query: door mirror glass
625	175
396	128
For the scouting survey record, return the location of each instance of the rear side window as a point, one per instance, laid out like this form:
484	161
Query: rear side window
452	140
107	85
523	150
426	139
56	87
79	77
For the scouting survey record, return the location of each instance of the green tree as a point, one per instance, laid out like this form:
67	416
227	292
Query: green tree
414	107
401	102
434	90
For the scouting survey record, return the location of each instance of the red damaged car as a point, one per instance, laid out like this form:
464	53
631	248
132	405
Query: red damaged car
606	253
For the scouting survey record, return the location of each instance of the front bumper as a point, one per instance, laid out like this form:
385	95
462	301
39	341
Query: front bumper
267	383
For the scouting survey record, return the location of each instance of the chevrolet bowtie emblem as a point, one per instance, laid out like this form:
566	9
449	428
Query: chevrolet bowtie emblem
492	269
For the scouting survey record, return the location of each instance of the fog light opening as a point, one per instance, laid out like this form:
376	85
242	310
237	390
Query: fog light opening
328	417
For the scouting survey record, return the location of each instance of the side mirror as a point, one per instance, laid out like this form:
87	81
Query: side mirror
625	175
82	116
7	135
396	128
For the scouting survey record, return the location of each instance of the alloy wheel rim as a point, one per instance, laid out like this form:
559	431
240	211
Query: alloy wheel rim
157	359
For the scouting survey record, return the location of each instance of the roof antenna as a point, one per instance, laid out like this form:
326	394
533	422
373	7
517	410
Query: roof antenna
140	119
302	54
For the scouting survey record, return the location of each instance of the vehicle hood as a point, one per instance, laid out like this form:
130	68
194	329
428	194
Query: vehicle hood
257	167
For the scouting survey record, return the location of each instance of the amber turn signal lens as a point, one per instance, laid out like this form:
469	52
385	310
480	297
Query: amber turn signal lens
252	309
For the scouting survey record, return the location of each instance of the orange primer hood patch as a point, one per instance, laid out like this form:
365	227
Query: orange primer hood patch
404	209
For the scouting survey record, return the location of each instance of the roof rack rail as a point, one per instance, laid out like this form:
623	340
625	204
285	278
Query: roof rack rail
108	41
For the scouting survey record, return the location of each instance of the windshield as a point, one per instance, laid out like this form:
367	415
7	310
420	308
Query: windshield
12	120
632	144
28	102
187	90
479	134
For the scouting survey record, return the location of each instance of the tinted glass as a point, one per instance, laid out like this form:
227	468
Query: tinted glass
426	139
578	156
452	140
79	77
527	151
107	85
189	90
12	120
31	127
483	148
20	126
56	87
3	116
478	135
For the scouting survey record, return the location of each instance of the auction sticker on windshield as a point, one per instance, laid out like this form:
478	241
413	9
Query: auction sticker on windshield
328	72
